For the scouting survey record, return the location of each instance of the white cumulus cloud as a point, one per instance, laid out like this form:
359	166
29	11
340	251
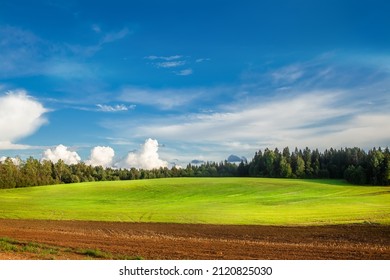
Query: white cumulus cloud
61	152
146	158
20	116
101	156
15	161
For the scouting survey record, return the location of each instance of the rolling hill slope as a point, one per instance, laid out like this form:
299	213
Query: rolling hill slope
256	201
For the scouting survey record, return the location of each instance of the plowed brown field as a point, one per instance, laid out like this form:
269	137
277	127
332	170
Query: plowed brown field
188	241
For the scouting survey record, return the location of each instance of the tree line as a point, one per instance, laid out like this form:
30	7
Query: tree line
352	164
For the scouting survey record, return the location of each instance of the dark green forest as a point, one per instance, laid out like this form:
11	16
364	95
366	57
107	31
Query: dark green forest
352	164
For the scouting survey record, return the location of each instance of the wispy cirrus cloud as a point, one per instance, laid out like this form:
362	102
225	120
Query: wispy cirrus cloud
176	62
162	98
115	108
114	36
170	98
166	58
22	53
170	64
184	72
107	38
261	120
199	60
288	74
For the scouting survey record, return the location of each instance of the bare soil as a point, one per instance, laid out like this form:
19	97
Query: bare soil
189	241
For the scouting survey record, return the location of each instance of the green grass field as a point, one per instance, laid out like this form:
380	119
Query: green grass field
203	200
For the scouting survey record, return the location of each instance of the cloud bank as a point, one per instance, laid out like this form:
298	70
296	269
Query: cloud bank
20	116
146	157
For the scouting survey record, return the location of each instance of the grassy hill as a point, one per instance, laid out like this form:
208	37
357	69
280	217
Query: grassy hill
203	200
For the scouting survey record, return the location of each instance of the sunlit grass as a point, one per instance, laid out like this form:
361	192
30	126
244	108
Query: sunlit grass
203	200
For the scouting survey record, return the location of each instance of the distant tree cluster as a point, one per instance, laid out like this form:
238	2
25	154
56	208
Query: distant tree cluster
352	164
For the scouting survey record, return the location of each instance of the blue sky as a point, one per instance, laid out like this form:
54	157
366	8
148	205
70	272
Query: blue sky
206	79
